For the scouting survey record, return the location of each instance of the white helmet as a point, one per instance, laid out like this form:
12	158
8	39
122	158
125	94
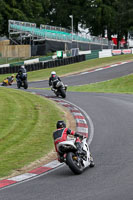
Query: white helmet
22	67
53	73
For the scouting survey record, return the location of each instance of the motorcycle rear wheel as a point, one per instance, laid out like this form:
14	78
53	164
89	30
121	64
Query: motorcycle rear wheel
74	164
4	84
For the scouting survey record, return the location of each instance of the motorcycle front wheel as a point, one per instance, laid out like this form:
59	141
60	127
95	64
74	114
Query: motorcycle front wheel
63	93
18	84
74	163
25	84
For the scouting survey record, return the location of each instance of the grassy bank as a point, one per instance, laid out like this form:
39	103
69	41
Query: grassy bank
117	85
74	68
26	125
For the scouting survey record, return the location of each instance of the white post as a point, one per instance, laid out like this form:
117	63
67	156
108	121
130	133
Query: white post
72	27
71	16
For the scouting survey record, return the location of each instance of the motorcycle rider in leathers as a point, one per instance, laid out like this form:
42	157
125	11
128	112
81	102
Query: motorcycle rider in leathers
53	80
61	134
11	79
20	73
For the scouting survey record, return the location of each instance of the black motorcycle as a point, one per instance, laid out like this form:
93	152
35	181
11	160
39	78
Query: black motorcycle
60	89
22	81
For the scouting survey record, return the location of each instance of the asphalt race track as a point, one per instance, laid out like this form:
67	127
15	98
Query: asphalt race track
91	77
112	148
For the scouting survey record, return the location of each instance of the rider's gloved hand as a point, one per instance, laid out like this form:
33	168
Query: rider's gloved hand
81	137
78	135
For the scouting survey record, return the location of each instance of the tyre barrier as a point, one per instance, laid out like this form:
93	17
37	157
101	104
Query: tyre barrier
44	65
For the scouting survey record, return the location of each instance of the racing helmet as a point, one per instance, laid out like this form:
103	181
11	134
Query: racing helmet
53	73
22	67
61	124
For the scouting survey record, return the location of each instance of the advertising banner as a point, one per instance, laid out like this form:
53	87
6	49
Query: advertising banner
126	51
105	53
116	52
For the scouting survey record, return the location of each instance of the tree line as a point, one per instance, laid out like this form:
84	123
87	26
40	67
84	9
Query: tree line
100	16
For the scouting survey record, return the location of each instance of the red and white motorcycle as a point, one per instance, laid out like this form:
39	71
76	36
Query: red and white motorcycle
76	161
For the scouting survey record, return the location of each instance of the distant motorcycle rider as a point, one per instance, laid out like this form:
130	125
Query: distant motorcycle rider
11	79
21	73
61	134
53	80
8	81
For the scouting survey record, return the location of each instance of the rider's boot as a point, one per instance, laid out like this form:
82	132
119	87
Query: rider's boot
65	87
61	157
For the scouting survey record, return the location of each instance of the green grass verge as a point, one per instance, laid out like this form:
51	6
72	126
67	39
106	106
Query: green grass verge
26	125
118	85
73	68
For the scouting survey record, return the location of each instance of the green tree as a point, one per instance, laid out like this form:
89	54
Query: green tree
60	10
115	17
123	18
22	10
100	16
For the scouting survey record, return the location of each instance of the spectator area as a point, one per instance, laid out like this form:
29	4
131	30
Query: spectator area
48	34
